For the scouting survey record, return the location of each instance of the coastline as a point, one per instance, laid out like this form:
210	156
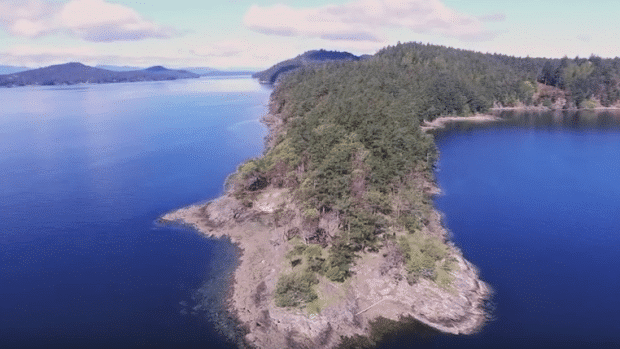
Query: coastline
347	309
353	305
541	108
441	122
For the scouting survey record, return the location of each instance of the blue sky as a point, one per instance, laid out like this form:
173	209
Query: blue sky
259	33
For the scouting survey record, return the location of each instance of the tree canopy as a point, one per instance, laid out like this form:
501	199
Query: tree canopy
350	141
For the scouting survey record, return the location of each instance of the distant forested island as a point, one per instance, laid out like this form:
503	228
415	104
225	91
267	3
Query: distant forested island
76	73
202	71
271	75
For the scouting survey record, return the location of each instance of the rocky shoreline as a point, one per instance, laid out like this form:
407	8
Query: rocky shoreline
352	305
441	122
348	309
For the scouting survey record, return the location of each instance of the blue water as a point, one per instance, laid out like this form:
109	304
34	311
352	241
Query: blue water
535	204
84	173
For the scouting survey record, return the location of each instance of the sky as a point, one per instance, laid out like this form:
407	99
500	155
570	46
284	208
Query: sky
255	34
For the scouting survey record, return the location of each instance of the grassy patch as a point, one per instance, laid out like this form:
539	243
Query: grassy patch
315	306
295	289
328	295
427	257
444	280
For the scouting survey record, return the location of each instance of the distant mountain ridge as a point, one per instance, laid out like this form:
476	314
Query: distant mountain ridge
202	71
206	71
118	67
271	75
77	73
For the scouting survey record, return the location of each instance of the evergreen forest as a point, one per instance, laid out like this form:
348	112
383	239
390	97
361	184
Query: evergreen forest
350	149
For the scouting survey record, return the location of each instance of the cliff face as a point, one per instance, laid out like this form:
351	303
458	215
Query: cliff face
377	288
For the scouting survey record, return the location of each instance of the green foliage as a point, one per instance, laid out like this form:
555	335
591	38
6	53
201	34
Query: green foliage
248	167
410	222
314	258
584	79
350	142
526	91
336	267
283	153
378	201
298	250
418	261
295	288
423	255
311	213
313	251
589	104
444	279
362	226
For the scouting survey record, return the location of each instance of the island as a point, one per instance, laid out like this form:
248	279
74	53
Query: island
202	71
78	73
314	57
340	241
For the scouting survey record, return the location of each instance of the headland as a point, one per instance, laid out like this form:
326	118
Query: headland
377	289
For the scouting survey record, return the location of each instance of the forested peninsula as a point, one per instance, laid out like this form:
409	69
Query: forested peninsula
341	243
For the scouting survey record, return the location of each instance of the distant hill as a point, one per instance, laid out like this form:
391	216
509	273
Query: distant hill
202	71
76	73
157	69
118	67
206	71
272	74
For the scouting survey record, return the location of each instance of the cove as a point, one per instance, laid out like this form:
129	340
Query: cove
533	202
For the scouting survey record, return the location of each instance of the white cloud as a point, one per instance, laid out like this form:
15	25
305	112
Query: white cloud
494	17
91	20
39	56
186	53
240	52
219	49
24	50
365	20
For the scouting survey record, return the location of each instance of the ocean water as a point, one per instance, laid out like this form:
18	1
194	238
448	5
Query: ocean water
85	171
535	204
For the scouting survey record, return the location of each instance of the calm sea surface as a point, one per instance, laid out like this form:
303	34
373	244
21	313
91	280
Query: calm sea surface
84	173
535	204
